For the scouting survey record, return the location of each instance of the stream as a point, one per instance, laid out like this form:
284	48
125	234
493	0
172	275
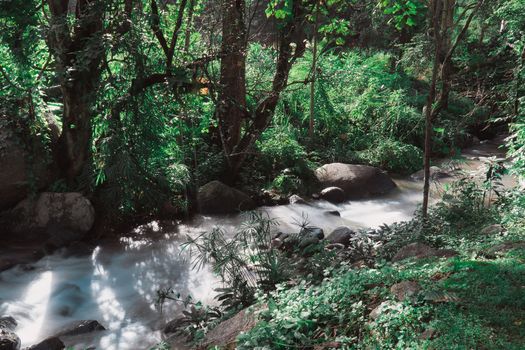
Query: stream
116	283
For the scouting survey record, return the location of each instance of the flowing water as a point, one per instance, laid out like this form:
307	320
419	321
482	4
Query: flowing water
116	282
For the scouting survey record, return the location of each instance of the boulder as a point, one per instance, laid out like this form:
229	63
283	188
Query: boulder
52	343
405	290
80	327
436	173
226	332
20	171
63	217
218	198
8	338
332	213
357	181
341	235
333	195
295	199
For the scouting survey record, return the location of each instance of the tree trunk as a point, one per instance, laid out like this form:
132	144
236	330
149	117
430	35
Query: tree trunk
231	108
436	14
79	75
314	73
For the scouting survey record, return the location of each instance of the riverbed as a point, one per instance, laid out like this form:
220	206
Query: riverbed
116	283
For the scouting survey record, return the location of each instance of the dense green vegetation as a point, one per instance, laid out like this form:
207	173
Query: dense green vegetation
136	104
127	95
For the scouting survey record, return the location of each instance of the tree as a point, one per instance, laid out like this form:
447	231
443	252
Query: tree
442	14
239	128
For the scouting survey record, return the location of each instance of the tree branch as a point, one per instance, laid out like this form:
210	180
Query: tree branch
155	26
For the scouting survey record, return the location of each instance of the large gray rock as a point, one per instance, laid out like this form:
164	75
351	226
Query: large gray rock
341	235
52	343
19	170
218	198
80	327
63	217
357	181
8	338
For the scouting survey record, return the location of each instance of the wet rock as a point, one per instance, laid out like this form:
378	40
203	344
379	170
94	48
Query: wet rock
333	195
218	198
384	307
332	212
63	217
80	327
341	235
226	332
52	343
312	232
357	181
436	173
295	199
308	241
492	230
8	322
8	338
405	290
417	250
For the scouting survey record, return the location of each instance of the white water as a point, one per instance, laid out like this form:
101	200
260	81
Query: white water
117	283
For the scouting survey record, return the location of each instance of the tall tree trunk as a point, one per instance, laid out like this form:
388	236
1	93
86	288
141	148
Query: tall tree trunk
231	108
436	15
79	75
442	12
314	73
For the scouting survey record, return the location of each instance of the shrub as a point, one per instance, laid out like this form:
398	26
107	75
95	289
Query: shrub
395	156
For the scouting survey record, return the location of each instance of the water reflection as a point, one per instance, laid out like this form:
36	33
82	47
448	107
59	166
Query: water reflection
117	283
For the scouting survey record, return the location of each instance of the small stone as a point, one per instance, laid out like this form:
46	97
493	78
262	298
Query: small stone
8	322
384	307
333	195
446	253
503	248
405	290
342	235
295	199
312	231
428	334
492	230
174	325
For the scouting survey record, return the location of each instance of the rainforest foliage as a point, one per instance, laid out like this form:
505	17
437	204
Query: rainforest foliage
139	102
